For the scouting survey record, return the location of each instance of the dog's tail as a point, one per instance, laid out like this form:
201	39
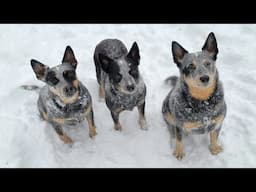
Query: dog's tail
172	80
30	87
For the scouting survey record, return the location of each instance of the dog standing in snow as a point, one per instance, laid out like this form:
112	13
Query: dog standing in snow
120	82
63	100
196	102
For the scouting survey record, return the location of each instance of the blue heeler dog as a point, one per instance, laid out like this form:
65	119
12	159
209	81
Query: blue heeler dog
196	102
64	100
120	82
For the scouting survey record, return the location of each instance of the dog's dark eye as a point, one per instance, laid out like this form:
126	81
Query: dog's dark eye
207	64
134	73
117	78
69	75
191	67
51	78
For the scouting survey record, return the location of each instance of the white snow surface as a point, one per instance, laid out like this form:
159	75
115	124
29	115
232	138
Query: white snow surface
27	141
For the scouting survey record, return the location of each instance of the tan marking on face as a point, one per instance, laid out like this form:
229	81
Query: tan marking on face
200	92
65	100
75	83
169	118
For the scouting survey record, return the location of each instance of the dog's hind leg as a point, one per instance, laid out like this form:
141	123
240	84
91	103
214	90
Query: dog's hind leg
142	119
90	119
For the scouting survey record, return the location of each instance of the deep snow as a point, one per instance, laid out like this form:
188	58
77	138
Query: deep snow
27	141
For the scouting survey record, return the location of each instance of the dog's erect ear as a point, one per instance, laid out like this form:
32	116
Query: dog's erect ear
178	53
210	46
134	53
105	62
39	69
69	57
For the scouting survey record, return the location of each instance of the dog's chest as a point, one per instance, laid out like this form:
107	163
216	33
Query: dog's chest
75	111
117	99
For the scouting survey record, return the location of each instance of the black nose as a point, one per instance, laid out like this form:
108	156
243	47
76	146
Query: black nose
130	87
204	78
69	90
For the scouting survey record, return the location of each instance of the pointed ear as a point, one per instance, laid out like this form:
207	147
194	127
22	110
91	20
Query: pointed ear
105	62
69	57
178	53
134	53
39	69
210	46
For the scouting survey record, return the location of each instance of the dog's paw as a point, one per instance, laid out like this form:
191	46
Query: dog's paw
66	139
92	133
118	127
215	149
143	124
179	154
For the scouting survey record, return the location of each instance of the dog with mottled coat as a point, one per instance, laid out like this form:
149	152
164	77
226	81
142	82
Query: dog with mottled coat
64	100
119	79
196	102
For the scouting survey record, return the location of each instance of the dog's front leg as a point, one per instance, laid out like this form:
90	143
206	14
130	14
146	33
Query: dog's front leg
90	119
115	117
60	132
214	147
178	151
142	119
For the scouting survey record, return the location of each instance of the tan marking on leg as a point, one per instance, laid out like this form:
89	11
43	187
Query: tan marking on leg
142	121
65	100
101	92
192	125
118	127
214	147
89	108
45	116
60	121
178	151
219	119
66	139
169	118
92	128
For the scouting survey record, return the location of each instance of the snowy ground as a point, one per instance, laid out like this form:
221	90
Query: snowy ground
26	141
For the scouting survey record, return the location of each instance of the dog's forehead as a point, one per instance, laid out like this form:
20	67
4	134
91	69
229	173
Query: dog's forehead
123	64
62	67
196	57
